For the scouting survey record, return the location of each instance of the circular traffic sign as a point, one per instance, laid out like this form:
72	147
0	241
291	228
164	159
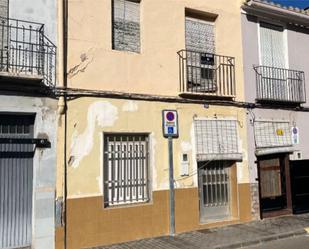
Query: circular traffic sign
170	116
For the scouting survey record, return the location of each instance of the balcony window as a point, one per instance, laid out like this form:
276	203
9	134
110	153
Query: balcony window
275	81
272	46
201	70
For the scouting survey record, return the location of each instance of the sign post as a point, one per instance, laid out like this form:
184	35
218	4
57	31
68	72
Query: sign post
170	130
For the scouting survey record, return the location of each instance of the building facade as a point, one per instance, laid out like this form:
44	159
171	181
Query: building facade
27	124
275	42
84	160
127	62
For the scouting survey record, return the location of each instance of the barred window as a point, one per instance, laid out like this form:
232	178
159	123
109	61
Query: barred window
216	139
126	177
126	25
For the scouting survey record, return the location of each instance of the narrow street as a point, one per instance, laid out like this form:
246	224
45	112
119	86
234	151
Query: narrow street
299	242
289	232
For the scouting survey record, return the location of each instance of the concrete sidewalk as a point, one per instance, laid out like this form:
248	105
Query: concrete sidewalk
234	236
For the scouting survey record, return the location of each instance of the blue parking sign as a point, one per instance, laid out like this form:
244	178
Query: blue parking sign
170	123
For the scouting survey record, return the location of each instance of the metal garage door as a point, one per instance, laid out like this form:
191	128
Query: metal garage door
16	174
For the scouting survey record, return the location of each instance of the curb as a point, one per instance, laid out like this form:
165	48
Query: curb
262	240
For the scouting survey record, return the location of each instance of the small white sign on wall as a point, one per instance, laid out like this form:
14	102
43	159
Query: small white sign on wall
295	135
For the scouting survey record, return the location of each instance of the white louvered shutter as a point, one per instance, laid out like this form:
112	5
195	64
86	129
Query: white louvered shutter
216	139
272	46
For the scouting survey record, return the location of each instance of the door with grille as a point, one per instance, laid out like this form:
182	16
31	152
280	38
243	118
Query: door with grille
16	181
214	186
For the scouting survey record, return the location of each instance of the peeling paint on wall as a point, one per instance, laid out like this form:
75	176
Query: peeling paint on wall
130	106
102	113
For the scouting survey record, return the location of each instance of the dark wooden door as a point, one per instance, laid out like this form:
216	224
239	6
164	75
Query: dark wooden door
275	194
300	185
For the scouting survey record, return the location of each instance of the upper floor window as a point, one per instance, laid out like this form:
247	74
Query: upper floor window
201	70
126	25
272	45
200	35
275	81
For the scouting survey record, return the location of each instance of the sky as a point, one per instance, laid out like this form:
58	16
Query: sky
296	3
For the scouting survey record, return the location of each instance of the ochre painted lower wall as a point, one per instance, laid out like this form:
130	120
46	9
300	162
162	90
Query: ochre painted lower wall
244	202
90	225
59	238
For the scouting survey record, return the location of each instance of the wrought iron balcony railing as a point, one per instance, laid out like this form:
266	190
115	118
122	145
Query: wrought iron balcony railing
26	52
280	85
208	74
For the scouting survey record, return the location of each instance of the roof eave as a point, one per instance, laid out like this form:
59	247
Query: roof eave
286	15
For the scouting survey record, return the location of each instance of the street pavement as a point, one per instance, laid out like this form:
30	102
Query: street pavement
299	242
256	233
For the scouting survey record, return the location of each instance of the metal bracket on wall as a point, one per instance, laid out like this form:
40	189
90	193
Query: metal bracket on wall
40	143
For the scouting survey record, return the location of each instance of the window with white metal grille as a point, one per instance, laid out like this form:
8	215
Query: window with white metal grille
216	184
216	139
126	178
126	25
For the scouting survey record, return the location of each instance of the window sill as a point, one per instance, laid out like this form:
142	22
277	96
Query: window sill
132	205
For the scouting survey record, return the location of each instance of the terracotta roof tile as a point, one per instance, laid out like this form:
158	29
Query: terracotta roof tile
291	8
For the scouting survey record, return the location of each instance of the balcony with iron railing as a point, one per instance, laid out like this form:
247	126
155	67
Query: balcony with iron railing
280	85
26	54
206	74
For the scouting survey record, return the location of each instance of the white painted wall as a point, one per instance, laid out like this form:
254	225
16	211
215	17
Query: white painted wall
42	11
44	164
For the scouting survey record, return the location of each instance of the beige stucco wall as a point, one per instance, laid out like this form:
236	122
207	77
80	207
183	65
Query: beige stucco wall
89	118
94	65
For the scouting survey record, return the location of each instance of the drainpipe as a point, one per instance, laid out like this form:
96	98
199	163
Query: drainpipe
61	61
62	102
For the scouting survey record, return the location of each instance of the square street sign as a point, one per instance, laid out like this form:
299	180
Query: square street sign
170	123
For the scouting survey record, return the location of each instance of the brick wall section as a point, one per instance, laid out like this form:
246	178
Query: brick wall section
255	201
126	25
